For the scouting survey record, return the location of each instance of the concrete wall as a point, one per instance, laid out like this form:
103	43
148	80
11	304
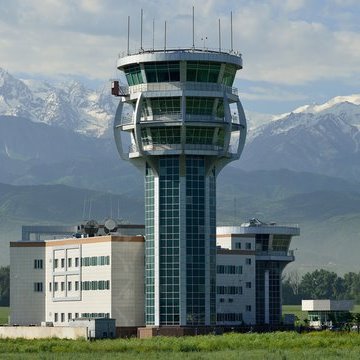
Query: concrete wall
125	273
237	303
128	302
37	332
66	304
27	306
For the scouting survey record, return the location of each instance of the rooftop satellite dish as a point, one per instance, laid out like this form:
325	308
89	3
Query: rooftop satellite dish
91	227
110	225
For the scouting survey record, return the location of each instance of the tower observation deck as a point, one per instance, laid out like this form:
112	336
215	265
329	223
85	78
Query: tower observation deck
184	122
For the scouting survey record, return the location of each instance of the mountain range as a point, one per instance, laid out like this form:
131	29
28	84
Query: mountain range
69	105
57	157
324	139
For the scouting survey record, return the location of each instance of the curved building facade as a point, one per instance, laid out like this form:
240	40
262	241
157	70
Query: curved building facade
180	121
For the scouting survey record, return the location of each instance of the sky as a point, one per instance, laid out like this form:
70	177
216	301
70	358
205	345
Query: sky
295	52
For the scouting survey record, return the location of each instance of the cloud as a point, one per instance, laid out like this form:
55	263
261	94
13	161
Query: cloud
283	42
271	93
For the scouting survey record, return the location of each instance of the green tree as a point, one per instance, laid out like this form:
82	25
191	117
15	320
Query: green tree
321	284
5	286
352	286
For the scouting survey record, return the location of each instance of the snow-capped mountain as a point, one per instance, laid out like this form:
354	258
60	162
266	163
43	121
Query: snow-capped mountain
69	105
316	138
336	106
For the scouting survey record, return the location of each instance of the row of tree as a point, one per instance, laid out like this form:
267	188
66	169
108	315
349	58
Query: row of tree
320	284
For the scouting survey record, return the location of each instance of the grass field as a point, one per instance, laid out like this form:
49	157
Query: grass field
4	313
285	345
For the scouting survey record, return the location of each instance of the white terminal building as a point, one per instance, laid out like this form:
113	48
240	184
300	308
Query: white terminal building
58	280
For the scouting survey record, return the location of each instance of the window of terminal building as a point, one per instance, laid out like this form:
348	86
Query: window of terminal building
38	286
230	317
38	264
62	263
76	285
162	71
262	242
62	286
228	290
248	308
76	315
133	74
69	316
69	286
56	263
62	317
69	262
200	71
222	300
95	285
229	269
95	315
248	285
76	262
248	246
238	245
56	286
49	286
230	300
248	261
95	261
56	317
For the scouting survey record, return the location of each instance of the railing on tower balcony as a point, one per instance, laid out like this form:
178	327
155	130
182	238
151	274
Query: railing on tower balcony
173	86
203	118
163	147
289	253
166	116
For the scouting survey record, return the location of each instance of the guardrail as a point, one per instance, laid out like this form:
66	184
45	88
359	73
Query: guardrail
176	86
275	253
164	147
184	49
177	116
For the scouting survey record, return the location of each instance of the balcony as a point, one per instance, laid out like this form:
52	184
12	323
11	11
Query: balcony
127	119
178	148
276	255
181	86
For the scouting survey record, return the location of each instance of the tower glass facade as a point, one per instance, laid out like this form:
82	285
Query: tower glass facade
183	131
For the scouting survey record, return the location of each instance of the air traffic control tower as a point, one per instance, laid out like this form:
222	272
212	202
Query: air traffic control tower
184	123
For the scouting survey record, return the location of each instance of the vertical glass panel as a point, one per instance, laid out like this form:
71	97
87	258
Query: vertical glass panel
202	71
199	105
162	71
133	74
229	75
149	247
163	106
169	185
